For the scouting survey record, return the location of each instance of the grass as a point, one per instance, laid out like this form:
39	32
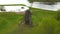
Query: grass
8	22
44	22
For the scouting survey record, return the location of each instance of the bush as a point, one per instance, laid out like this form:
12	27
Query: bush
58	15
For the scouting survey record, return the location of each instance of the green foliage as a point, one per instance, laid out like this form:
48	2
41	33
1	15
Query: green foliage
49	3
1	7
43	0
58	15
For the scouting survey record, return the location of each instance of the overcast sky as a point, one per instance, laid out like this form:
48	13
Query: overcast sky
14	2
36	5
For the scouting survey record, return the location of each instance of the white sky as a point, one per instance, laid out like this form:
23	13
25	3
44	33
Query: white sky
36	5
15	8
46	7
14	2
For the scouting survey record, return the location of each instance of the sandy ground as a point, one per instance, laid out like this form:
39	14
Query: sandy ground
20	12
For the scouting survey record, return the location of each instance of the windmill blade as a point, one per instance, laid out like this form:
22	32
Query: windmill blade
12	5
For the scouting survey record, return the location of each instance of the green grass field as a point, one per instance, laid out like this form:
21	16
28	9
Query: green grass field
43	21
8	21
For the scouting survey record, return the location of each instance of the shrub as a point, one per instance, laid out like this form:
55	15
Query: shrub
58	15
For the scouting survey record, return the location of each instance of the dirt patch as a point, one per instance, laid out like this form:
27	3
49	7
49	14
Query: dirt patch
21	29
20	12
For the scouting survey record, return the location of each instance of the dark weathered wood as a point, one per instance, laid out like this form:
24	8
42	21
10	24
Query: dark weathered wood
28	16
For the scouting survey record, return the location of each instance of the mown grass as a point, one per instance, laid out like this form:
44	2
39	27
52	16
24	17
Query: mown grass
43	21
8	22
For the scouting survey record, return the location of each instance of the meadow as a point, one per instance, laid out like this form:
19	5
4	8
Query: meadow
43	22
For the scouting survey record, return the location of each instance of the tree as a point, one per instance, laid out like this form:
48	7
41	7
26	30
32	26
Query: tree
48	2
48	26
58	15
43	0
28	17
28	12
2	8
